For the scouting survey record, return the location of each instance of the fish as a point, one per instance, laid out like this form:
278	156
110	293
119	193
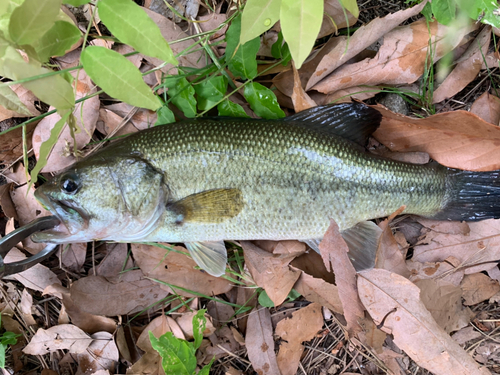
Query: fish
205	181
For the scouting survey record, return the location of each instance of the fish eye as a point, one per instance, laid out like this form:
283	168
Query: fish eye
70	184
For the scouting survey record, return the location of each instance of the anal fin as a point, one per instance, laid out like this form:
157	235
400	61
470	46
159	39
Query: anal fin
211	256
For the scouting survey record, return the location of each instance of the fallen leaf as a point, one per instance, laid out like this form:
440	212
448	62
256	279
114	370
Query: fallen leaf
455	139
86	114
346	95
335	18
225	338
481	245
37	277
467	69
444	301
62	336
87	322
73	256
435	270
400	60
310	321
394	303
334	252
93	294
477	288
142	118
270	272
319	291
301	101
185	322
487	107
101	354
25	307
466	334
111	124
389	256
115	261
365	36
177	269
312	264
260	344
27	98
446	227
285	247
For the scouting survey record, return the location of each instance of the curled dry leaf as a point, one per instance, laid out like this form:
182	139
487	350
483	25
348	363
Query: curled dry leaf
301	101
477	288
334	253
363	37
37	277
270	272
467	68
481	245
260	344
87	322
394	302
487	107
400	60
444	302
62	336
389	256
102	354
96	295
302	326
178	270
456	139
86	114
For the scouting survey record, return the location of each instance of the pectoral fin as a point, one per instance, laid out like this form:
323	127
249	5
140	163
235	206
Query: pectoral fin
211	256
362	241
211	206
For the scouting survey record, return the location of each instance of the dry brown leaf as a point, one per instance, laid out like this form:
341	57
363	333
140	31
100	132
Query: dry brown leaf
467	68
86	114
170	31
115	261
185	322
312	264
372	335
37	277
109	123
400	60
466	334
444	302
135	59
87	322
301	101
302	326
286	247
363	37
456	139
102	354
445	271
177	269
320	291
389	256
477	288
394	302
270	272
96	295
446	227
211	21
334	18
225	339
260	344
73	256
481	245
26	97
487	107
346	95
26	306
63	336
142	118
158	326
11	144
334	252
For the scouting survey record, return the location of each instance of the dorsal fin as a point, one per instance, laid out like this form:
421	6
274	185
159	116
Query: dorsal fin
353	121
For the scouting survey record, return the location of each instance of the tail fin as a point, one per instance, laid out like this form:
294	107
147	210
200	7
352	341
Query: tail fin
474	196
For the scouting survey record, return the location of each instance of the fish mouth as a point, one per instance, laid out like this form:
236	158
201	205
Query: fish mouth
73	219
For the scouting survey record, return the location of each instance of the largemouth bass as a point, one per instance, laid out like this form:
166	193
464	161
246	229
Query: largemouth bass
204	181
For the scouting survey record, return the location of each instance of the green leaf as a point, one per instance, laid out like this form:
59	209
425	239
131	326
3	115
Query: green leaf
53	90
351	6
9	100
178	357
32	19
241	59
76	3
118	77
280	50
182	92
57	40
9	338
131	25
427	12
293	295
258	17
165	116
210	91
47	146
206	369
2	355
228	108
264	299
262	101
444	10
199	325
300	22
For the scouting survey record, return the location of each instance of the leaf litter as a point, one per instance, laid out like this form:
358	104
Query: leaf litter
133	289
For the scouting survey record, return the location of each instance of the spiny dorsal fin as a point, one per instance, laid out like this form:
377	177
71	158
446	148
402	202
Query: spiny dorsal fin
353	121
210	206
